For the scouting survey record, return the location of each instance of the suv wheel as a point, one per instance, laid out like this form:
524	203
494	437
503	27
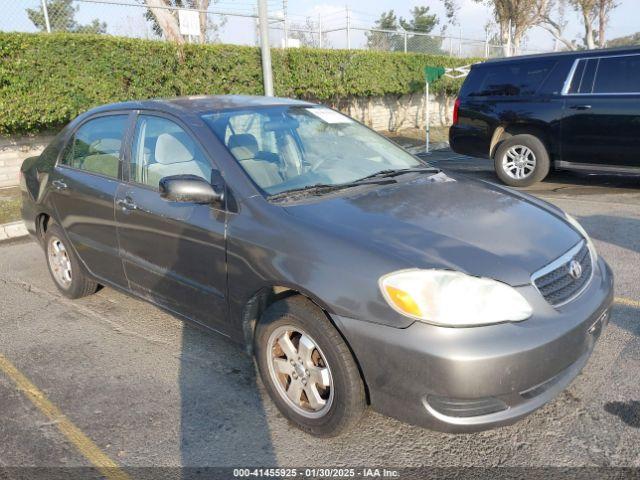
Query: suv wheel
521	160
64	266
307	368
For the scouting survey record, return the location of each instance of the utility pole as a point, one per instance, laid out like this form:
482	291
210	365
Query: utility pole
285	25
509	41
267	77
45	12
486	43
348	29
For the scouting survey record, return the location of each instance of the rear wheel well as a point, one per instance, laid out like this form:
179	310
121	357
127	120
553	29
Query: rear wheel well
501	133
42	223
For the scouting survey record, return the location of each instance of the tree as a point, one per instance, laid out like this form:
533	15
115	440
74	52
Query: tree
592	13
628	40
422	22
386	41
513	18
62	18
164	21
307	34
553	20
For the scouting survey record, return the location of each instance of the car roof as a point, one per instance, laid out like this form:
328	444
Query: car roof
200	104
575	54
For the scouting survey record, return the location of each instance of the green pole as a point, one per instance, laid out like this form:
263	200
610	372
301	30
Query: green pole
427	115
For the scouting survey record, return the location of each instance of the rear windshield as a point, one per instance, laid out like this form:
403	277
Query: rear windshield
508	79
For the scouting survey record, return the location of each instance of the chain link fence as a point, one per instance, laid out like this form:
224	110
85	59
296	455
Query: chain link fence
233	22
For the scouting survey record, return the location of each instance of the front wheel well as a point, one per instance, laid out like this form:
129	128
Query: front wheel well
267	296
257	305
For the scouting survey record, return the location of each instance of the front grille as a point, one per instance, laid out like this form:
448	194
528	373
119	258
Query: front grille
558	286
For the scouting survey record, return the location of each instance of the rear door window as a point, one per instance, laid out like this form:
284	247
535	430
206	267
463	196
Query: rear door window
618	75
583	76
509	79
97	145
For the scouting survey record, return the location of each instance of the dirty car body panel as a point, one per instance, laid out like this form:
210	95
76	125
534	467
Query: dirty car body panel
210	264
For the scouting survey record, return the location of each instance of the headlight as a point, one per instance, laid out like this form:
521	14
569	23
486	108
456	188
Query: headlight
575	224
452	299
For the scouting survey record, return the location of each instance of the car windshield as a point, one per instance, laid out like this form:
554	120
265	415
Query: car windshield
292	148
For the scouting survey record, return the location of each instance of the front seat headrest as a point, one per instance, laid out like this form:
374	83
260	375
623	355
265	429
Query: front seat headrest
243	146
169	149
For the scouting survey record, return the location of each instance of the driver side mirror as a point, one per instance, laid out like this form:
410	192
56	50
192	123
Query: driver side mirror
189	189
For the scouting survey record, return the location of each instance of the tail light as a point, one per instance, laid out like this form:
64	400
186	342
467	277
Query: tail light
456	107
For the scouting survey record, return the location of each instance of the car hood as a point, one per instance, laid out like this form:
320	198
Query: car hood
442	221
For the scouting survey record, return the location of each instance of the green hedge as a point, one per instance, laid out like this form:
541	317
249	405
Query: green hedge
48	79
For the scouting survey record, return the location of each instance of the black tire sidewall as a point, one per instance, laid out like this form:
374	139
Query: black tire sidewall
539	150
349	397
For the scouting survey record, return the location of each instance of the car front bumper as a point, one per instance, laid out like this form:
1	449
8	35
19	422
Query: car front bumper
470	379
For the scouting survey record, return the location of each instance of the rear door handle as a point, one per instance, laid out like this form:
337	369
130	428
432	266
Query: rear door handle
580	107
127	204
59	185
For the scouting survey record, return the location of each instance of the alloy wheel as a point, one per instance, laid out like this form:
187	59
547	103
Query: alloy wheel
300	372
59	262
519	162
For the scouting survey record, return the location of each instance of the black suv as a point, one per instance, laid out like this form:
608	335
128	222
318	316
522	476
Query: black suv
569	110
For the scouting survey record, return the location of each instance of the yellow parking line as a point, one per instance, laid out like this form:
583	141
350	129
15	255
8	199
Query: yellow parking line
627	302
84	444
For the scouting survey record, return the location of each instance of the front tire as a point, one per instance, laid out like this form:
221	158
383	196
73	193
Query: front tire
64	267
521	160
307	368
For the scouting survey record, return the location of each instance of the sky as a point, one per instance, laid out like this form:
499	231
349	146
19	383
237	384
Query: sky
472	18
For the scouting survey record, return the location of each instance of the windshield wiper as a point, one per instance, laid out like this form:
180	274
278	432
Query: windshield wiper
397	171
380	177
315	189
322	188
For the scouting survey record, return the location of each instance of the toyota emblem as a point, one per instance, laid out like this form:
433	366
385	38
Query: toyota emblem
575	269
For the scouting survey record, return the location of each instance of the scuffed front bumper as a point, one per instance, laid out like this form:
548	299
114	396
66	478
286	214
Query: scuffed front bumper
469	379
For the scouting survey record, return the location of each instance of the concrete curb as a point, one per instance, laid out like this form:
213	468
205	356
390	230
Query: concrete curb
432	147
9	231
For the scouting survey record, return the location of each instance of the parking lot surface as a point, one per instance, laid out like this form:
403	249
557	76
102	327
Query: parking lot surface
148	389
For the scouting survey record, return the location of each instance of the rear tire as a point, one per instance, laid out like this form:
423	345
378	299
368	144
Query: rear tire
521	160
64	266
335	403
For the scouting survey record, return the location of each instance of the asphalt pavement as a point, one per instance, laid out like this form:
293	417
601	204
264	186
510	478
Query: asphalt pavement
146	389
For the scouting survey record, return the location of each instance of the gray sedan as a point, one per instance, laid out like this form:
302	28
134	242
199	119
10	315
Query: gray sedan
354	272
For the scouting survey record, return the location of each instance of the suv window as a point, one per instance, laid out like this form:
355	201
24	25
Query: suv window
162	148
509	79
618	75
583	76
97	145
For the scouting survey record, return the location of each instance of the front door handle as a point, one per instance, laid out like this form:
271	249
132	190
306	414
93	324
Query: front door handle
580	107
59	185
127	204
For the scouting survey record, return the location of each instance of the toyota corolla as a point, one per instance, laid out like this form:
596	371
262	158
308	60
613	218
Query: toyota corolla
354	272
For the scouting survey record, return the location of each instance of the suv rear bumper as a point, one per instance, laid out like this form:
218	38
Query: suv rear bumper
470	379
468	141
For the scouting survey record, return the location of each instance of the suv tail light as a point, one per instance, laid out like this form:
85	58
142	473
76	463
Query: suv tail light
456	107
